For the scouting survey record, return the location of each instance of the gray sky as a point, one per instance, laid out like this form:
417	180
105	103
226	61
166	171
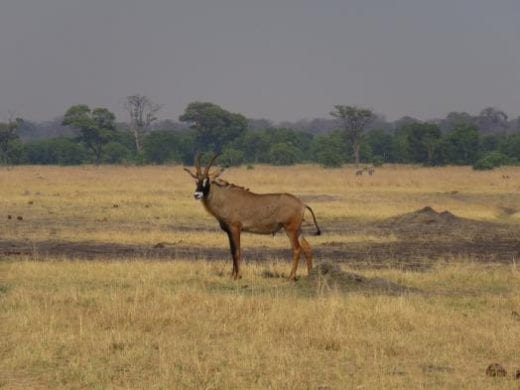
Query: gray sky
276	59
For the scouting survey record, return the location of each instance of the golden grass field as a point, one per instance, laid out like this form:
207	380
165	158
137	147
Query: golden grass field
77	204
149	323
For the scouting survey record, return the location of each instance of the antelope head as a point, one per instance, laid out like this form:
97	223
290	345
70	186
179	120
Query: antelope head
203	179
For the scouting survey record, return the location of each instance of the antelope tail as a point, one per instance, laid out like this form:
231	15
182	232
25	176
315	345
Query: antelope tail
318	231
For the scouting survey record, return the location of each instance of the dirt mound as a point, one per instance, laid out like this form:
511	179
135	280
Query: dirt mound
427	223
328	276
425	216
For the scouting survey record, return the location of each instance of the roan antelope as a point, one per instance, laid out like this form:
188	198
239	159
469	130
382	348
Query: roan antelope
237	210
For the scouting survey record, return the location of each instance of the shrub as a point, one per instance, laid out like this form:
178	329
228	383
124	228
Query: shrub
377	161
491	160
483	165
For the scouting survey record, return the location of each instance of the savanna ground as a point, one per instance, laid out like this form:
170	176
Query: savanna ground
147	301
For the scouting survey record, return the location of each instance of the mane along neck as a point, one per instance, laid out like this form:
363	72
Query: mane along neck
224	184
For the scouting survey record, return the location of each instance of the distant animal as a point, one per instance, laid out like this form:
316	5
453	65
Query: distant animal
359	172
371	171
496	369
239	210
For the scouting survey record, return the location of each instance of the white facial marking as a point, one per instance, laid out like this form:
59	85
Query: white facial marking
198	195
205	182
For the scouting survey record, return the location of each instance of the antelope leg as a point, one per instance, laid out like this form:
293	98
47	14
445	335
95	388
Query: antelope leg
307	252
233	233
237	256
296	251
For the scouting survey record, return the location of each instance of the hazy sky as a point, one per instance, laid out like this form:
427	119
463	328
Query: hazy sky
276	59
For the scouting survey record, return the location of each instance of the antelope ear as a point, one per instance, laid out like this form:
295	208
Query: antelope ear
216	175
191	173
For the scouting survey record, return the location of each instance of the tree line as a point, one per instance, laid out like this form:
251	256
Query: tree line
351	135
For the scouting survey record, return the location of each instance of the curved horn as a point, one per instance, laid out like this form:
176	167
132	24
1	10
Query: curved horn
197	163
191	173
206	171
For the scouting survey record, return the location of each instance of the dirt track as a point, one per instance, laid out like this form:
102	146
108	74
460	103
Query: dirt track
423	236
405	251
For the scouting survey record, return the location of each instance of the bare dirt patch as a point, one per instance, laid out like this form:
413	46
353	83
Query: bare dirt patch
423	236
313	198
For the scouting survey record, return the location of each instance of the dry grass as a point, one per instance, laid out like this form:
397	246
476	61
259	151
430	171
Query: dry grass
185	324
147	205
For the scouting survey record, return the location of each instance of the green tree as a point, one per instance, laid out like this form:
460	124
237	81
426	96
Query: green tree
422	139
400	146
283	154
165	146
510	146
215	127
380	142
460	146
255	145
160	147
490	142
492	120
354	121
115	153
454	119
231	157
327	150
8	140
97	127
61	150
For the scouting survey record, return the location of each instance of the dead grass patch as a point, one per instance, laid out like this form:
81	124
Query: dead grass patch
187	325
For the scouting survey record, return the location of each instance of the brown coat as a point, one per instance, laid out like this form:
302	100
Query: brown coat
254	213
